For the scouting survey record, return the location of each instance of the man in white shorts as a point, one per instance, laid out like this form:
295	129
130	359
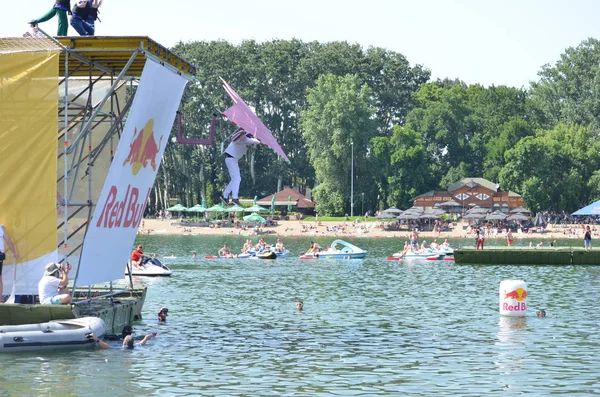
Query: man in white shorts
53	286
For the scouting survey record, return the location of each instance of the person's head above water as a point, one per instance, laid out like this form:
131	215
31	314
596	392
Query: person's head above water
541	313
128	342
299	305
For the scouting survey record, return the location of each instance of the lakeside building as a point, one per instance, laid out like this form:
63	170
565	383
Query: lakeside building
468	192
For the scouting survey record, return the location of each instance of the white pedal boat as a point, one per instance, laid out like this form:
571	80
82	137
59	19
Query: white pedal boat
56	334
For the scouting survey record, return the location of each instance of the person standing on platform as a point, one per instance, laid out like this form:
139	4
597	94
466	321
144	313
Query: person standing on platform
61	7
509	238
93	15
480	239
587	239
234	152
5	240
80	14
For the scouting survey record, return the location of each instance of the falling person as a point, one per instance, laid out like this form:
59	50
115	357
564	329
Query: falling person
234	152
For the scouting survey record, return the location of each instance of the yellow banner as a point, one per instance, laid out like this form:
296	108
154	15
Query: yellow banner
28	152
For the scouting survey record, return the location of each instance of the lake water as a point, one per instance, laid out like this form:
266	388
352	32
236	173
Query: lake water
369	327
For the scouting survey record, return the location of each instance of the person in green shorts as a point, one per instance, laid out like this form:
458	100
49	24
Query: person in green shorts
61	7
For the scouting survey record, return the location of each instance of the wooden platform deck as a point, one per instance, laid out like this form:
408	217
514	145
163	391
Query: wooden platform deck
527	256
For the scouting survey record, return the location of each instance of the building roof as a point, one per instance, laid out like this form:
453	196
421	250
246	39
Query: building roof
433	193
472	182
281	198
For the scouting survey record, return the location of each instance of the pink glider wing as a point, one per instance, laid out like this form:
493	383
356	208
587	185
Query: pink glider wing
242	116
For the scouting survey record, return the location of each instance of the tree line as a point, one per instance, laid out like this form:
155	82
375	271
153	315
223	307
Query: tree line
337	106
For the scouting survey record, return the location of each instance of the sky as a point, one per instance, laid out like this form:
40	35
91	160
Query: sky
501	42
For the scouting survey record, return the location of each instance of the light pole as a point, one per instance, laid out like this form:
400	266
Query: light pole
352	180
363	203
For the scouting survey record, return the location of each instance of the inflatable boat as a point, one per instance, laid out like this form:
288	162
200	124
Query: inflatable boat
56	334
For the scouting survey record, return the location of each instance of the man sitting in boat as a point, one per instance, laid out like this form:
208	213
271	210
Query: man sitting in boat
225	251
137	256
128	342
53	285
314	248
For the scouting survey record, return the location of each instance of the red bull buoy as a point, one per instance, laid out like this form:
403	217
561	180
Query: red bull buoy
513	298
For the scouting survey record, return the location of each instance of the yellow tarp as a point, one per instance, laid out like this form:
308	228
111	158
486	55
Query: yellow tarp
28	151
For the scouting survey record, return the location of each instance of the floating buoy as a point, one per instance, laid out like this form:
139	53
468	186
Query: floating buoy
513	298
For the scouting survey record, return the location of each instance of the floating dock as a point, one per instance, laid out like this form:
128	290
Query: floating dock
116	310
527	256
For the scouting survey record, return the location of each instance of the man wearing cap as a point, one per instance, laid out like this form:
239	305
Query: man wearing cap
53	285
5	238
137	256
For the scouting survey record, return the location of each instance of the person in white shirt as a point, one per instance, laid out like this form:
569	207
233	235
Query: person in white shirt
5	238
235	151
52	288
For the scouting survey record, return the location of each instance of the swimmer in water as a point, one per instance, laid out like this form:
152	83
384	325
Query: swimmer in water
299	305
541	313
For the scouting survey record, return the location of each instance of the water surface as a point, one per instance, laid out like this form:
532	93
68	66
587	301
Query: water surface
370	327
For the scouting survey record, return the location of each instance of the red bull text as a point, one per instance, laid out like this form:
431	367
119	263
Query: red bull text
123	212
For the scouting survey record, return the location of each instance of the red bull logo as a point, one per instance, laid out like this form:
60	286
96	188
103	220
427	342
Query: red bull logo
519	295
143	148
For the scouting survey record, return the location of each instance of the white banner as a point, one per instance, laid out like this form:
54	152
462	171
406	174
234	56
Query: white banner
111	233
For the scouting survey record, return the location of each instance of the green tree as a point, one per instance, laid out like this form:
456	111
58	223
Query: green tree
546	173
404	161
569	91
339	114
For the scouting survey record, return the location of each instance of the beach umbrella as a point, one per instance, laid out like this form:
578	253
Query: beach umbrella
519	210
254	217
478	210
235	208
518	217
177	207
539	220
496	216
475	215
216	208
393	210
388	215
255	207
406	215
450	203
428	216
196	208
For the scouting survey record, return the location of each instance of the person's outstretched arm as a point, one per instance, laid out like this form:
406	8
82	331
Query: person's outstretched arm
101	344
146	339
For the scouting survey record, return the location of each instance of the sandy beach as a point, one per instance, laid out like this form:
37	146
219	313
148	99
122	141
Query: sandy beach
342	229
